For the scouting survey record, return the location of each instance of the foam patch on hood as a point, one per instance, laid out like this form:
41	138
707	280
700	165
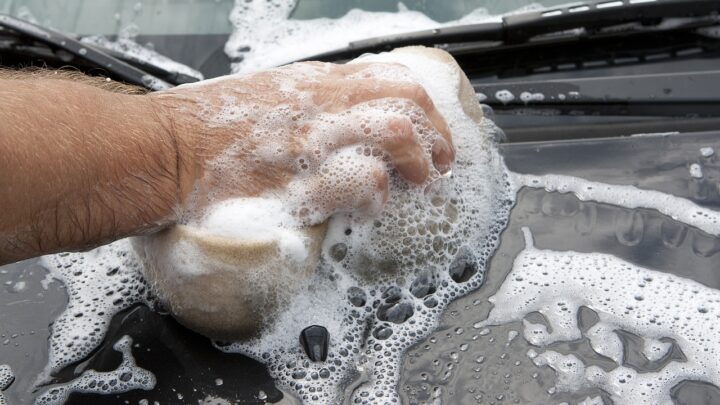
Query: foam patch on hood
127	376
680	209
658	307
100	283
6	378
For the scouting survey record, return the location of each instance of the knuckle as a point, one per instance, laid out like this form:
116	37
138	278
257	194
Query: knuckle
401	129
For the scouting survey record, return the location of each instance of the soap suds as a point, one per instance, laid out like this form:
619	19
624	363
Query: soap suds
100	283
679	209
126	377
650	304
256	219
390	277
707	151
526	97
696	171
592	401
6	378
264	36
505	96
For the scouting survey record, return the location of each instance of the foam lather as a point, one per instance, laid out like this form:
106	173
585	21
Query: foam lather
227	276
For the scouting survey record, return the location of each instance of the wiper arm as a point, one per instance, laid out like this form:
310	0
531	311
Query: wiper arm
520	28
66	49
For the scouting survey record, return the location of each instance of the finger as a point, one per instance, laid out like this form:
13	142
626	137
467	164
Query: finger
358	93
419	96
442	156
346	182
336	95
408	157
392	135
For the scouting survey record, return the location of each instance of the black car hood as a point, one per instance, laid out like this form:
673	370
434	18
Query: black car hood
189	369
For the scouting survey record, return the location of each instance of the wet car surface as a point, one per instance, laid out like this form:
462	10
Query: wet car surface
457	363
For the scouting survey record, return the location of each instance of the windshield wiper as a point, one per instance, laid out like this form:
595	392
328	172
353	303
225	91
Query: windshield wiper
127	50
45	42
521	28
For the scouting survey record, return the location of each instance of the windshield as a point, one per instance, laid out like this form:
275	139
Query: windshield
162	17
216	37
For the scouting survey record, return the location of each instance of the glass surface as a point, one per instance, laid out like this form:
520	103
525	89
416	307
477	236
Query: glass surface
172	17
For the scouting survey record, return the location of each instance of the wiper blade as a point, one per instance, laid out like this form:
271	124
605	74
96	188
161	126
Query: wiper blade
66	49
145	59
520	28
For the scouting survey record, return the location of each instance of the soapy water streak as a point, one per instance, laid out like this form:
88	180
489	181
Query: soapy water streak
679	209
656	306
126	377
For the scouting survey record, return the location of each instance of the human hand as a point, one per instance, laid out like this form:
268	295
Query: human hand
319	135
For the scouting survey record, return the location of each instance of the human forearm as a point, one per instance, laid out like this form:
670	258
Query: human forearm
80	166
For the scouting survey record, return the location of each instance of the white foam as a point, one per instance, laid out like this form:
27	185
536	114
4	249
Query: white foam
592	401
19	286
527	97
696	171
99	283
680	209
505	96
6	378
413	241
126	377
264	36
208	400
570	370
650	304
707	151
258	219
